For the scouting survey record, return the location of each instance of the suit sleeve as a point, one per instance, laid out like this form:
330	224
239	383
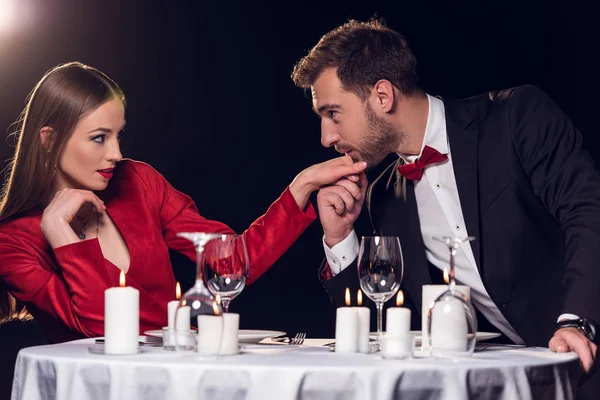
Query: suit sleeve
266	239
564	177
75	295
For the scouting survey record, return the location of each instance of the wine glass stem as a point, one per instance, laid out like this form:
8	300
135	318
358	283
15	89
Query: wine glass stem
452	282
379	305
225	303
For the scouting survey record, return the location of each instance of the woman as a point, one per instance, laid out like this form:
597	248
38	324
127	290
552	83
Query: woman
73	213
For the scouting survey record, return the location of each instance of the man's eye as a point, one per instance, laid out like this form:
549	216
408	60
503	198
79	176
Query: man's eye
332	113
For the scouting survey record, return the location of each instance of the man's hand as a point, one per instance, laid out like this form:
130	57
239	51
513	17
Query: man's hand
572	339
339	206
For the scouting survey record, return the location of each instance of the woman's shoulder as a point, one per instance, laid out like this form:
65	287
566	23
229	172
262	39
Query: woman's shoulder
128	167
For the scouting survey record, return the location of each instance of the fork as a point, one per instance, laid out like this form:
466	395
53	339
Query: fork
296	340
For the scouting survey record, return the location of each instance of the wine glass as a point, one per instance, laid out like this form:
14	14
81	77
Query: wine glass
225	266
380	270
199	302
451	321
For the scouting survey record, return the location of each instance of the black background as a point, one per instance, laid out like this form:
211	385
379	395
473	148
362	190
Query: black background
211	105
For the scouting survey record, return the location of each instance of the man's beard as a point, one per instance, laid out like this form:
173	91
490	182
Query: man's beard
379	139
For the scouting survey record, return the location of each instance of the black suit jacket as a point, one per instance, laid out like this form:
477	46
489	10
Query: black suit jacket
529	193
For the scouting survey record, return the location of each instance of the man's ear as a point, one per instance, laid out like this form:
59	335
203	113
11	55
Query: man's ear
47	137
384	96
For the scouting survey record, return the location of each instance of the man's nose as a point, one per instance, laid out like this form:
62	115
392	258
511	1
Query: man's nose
328	136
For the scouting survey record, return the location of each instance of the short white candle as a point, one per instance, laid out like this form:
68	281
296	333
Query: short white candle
397	321
346	328
231	324
396	346
210	333
121	319
430	293
363	315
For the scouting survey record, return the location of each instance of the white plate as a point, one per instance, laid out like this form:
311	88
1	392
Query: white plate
244	335
417	334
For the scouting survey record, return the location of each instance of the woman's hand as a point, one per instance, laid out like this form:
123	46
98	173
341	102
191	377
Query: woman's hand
325	173
61	211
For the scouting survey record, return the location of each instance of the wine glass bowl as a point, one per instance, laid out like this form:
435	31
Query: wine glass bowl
197	301
225	266
451	320
380	271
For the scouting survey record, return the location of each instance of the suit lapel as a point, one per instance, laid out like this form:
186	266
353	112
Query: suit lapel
463	138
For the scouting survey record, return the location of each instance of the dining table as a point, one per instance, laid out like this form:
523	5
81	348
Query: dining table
275	370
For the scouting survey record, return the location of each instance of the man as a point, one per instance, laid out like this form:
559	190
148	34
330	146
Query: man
507	167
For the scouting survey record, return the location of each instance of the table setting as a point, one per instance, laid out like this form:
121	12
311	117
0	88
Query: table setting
202	352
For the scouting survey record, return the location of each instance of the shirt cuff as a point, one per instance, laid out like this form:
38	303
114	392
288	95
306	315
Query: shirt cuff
567	316
342	254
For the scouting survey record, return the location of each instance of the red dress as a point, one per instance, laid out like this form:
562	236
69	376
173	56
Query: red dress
64	289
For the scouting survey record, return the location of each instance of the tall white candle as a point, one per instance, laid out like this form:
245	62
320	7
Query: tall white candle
172	309
397	321
210	333
346	328
183	319
430	293
121	319
231	324
363	315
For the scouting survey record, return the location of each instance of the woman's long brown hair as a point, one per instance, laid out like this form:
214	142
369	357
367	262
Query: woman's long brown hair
64	95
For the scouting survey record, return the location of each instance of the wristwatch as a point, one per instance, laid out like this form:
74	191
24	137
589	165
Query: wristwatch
582	324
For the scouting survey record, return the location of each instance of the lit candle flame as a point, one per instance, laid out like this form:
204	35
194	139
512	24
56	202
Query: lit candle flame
122	279
178	291
446	277
359	298
347	296
400	298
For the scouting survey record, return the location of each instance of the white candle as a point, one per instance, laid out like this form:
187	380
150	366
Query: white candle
397	321
210	332
172	309
430	293
396	346
121	319
231	324
363	315
182	322
346	328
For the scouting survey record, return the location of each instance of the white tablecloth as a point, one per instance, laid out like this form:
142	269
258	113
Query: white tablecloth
70	371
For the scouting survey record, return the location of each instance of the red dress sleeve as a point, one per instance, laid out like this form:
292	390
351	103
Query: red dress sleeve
266	239
75	295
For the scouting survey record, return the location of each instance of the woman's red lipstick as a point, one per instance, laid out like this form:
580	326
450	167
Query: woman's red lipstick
106	173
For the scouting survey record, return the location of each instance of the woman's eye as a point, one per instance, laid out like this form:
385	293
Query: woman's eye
98	139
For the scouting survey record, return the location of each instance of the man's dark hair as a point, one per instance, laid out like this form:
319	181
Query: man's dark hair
363	53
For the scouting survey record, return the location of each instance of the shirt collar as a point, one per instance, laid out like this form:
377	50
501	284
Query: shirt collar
435	130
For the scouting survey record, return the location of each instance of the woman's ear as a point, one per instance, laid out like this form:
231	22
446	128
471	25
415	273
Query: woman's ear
46	137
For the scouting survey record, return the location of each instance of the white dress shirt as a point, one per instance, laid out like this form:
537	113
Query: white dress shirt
440	214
